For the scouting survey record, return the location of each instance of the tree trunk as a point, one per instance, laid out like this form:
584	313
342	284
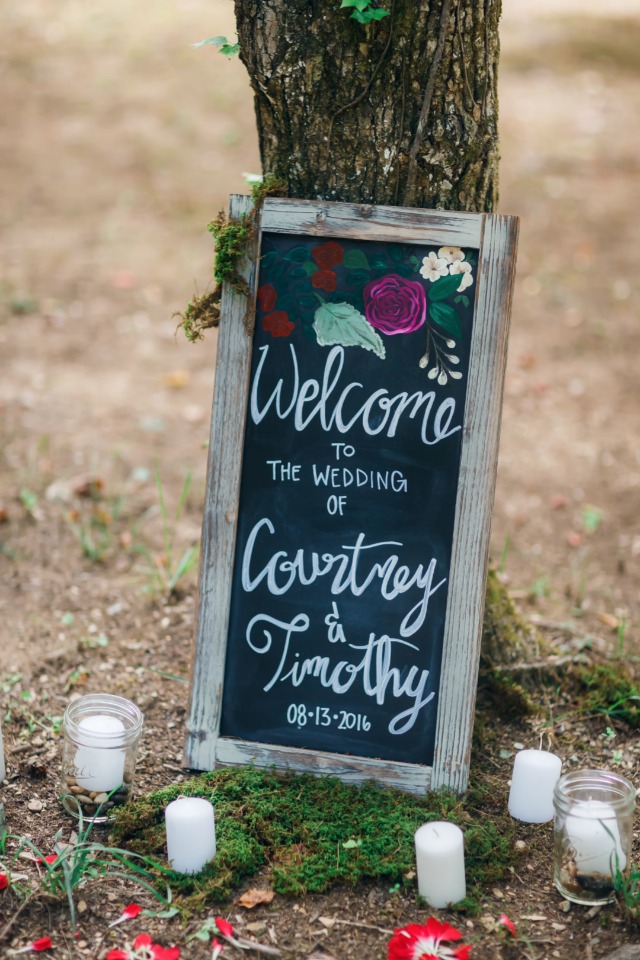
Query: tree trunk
401	111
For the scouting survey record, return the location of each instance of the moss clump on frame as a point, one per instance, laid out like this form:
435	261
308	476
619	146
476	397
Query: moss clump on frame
232	236
312	833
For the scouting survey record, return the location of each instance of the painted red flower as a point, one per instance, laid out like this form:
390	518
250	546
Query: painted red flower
327	255
429	942
278	324
324	280
394	304
4	881
267	296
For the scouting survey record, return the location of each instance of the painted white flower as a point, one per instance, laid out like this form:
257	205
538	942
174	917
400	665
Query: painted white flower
451	254
463	268
434	267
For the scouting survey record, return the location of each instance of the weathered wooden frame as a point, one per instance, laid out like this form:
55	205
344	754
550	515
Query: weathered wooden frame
495	239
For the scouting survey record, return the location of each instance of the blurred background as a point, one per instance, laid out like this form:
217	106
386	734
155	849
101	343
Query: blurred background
120	142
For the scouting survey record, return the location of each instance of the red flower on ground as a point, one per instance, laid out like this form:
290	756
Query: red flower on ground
324	280
118	955
217	948
267	296
51	858
224	927
415	942
130	912
327	255
278	324
4	881
504	921
44	943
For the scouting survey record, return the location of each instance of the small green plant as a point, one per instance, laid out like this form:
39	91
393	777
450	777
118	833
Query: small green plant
363	11
224	47
29	501
95	532
591	518
164	572
539	588
609	689
72	865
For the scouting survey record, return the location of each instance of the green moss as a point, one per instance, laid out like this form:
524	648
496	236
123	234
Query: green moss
300	828
200	314
608	688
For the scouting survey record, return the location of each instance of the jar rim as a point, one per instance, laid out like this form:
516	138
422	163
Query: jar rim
620	791
103	704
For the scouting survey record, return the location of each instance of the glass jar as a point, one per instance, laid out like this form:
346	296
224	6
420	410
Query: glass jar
101	737
592	835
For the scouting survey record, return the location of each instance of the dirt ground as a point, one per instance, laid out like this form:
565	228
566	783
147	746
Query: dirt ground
121	142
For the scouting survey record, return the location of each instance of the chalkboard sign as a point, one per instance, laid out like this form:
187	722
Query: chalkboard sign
351	477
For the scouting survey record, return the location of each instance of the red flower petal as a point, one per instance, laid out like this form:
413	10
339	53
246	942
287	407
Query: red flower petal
164	953
118	955
224	927
4	881
217	948
130	912
504	921
51	858
44	943
142	940
440	931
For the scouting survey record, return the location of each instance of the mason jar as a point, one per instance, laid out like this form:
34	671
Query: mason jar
101	734
592	834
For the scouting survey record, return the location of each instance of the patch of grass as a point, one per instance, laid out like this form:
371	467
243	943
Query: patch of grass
312	833
609	689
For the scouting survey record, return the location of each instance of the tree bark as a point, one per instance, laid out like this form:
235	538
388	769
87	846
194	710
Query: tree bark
402	111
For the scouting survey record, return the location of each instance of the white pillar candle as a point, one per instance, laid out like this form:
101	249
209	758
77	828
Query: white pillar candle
99	760
440	863
191	834
592	831
535	774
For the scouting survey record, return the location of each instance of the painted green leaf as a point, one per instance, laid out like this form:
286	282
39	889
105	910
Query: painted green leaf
446	317
309	268
444	287
342	323
298	254
356	260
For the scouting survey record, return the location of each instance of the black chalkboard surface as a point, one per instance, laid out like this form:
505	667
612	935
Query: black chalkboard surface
349	564
348	492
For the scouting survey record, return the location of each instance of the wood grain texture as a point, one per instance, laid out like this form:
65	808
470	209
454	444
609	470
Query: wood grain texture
495	239
219	523
404	776
403	224
476	489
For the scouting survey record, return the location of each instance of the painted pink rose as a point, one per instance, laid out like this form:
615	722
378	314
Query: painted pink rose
394	304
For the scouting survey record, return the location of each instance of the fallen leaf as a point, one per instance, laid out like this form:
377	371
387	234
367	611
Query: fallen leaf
327	922
609	620
251	898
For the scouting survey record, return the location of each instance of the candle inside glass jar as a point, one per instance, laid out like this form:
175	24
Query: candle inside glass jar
99	765
594	838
